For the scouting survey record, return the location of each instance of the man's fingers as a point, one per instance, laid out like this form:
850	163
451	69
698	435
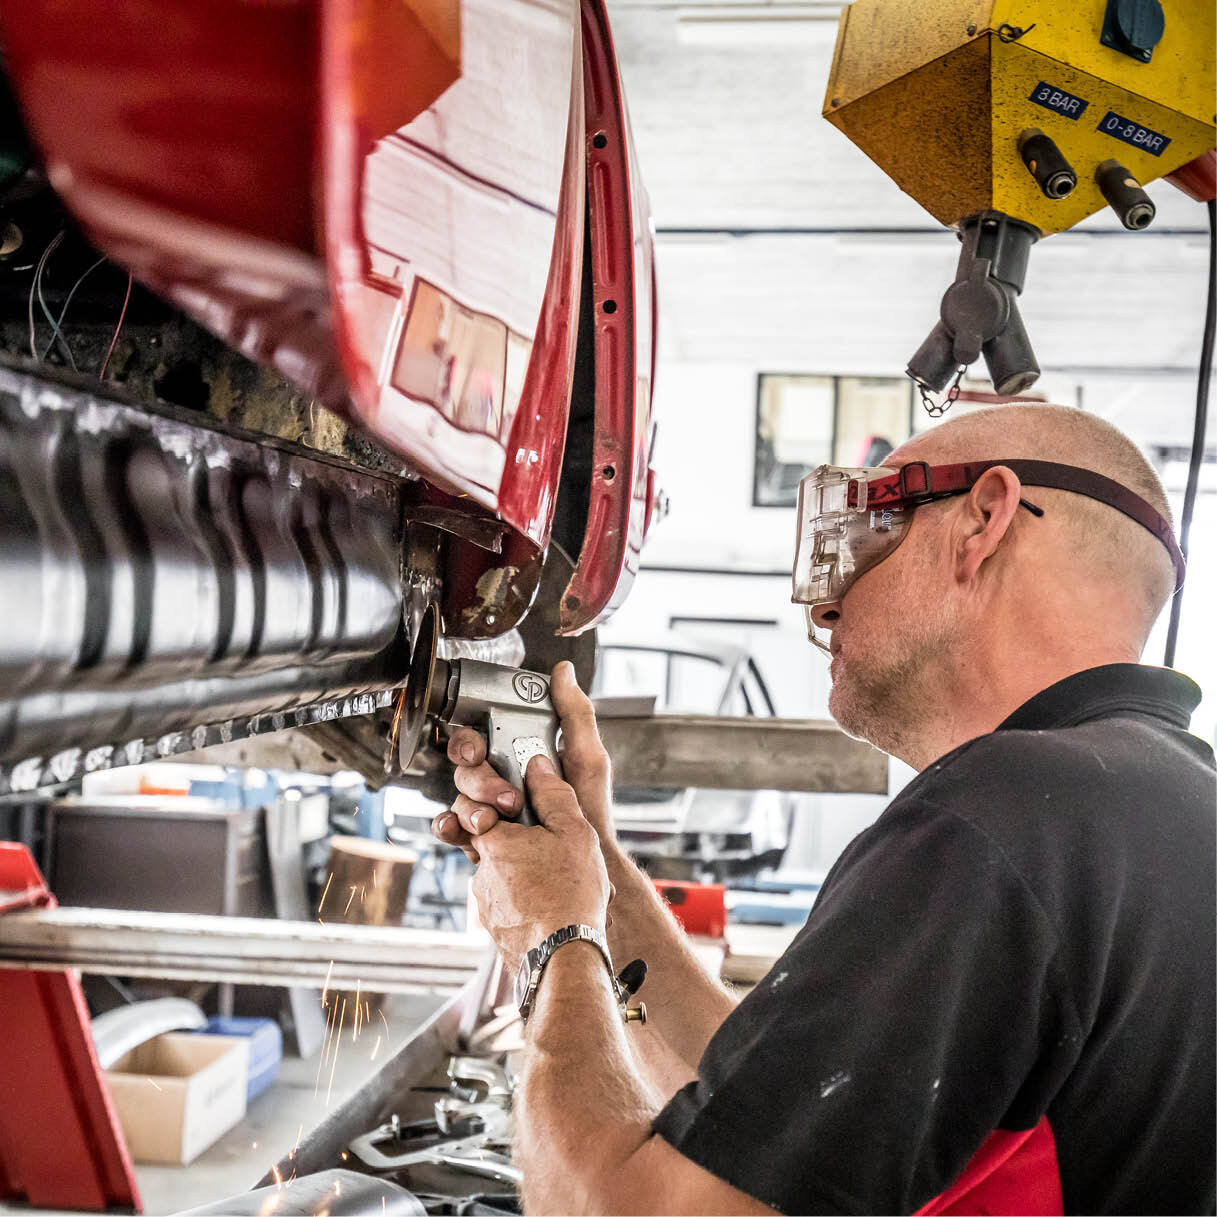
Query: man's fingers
466	747
475	818
447	828
552	799
501	842
583	755
475	779
481	784
573	705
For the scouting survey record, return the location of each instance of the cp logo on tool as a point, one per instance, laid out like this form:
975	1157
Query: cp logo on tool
529	686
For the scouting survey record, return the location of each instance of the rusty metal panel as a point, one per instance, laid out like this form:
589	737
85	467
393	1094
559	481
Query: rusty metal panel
675	751
882	40
930	131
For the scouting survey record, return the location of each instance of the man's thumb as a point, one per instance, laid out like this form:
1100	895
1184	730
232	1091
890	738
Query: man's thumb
553	800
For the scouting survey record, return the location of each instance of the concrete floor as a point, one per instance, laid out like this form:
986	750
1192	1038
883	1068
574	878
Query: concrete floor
275	1120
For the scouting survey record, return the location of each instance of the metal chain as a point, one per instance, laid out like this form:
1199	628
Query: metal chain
936	409
1012	33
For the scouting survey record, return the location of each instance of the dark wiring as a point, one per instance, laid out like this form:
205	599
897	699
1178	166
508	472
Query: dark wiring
105	363
1198	430
46	253
63	312
56	335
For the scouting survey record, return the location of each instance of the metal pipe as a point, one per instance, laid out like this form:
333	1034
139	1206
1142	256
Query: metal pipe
242	950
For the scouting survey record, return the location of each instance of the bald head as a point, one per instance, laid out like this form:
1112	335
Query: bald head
1105	546
983	604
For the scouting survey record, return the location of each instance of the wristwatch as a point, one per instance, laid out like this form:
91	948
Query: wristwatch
532	966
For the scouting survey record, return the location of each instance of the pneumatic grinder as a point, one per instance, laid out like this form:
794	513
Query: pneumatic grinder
510	706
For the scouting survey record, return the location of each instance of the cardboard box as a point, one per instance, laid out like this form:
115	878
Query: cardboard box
177	1094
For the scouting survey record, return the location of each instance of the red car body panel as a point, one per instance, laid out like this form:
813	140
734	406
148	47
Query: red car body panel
624	304
386	202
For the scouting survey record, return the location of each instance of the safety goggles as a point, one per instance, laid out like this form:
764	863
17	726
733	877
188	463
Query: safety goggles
851	519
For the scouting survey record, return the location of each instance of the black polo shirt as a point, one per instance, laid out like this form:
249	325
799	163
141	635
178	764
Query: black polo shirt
1003	1000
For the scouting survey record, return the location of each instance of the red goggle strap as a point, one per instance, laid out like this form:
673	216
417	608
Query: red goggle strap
919	482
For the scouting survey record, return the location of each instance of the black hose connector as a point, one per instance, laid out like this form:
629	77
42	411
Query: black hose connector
1124	194
1047	164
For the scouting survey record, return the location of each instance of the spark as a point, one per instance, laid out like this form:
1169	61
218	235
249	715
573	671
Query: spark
253	1145
358	1010
345	1155
325	1052
350	898
326	892
363	892
376	1047
296	1146
385	1021
151	1082
394	730
375	877
274	1170
325	989
337	1045
333	1027
382	1205
329	1031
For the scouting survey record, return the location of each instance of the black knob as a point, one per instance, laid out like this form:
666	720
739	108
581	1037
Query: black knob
1134	207
632	976
1140	23
1048	165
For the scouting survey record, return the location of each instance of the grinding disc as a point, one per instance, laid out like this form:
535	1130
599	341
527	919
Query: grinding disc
418	685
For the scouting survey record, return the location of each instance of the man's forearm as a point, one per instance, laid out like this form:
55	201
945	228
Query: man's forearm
582	1109
684	1005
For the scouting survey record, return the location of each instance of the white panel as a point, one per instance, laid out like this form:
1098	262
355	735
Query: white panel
1112	315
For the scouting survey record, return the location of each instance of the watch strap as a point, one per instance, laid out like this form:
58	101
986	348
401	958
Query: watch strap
543	952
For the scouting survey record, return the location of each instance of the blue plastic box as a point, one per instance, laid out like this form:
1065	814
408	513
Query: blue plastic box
265	1047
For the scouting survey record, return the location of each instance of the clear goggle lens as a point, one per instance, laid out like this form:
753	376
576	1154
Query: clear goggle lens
818	635
839	537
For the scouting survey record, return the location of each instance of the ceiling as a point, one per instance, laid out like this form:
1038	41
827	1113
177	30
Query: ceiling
781	245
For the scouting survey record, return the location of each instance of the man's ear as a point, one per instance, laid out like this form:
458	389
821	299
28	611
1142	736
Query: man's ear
988	511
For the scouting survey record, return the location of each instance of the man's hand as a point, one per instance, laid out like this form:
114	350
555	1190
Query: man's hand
534	880
485	796
684	1006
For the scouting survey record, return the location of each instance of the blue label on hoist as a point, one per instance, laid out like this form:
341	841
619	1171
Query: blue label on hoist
1052	98
1133	133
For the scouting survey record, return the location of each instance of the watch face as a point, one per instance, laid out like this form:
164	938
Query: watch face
522	978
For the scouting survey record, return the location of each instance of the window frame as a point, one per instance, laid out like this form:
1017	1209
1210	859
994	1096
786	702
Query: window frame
836	378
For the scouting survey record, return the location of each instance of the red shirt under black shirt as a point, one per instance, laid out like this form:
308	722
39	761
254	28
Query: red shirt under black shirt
1003	1000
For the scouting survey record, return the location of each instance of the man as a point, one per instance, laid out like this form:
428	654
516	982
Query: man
1003	1000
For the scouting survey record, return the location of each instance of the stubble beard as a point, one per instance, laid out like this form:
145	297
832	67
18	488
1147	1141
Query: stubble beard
885	696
